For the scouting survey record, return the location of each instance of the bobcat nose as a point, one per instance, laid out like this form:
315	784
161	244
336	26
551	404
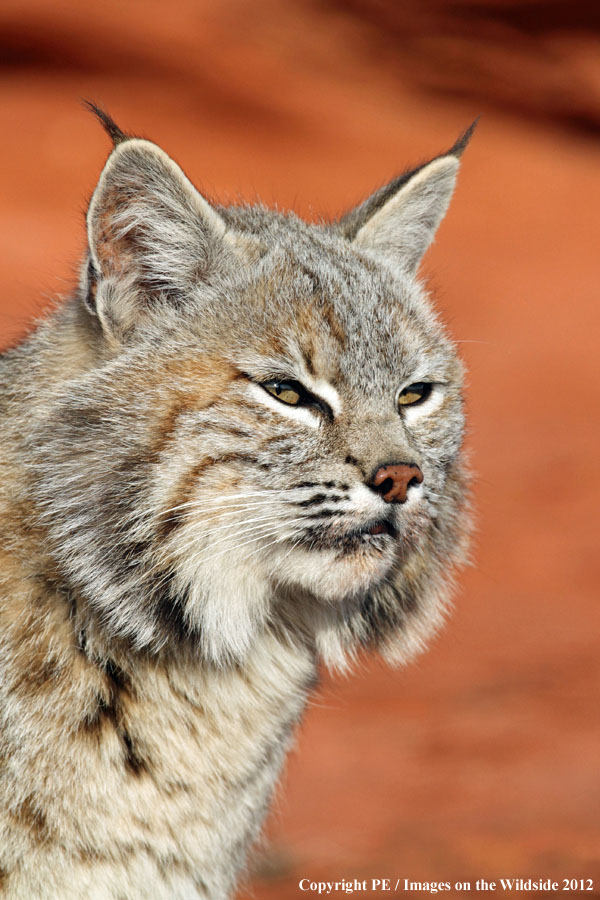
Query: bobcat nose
393	481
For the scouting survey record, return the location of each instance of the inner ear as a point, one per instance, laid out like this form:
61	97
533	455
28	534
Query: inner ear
405	226
147	220
399	221
152	237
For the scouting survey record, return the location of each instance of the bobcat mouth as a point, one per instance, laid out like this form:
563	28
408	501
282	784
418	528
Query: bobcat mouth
381	526
374	534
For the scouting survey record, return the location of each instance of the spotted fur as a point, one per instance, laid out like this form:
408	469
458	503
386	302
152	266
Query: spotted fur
178	548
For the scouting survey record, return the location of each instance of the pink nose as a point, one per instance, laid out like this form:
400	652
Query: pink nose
393	482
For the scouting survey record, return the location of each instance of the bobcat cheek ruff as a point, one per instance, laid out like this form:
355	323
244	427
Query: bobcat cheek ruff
235	452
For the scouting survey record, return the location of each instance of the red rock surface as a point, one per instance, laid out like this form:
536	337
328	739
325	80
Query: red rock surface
480	760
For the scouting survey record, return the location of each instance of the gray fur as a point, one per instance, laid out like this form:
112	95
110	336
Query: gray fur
180	548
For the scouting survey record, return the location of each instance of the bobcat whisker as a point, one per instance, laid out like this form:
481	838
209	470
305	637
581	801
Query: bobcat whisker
230	512
204	515
222	510
257	532
218	501
278	540
207	537
237	547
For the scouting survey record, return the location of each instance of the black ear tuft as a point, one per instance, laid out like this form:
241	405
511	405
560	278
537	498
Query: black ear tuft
110	126
459	146
351	223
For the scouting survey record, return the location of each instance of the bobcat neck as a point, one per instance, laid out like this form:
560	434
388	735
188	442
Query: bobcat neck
162	767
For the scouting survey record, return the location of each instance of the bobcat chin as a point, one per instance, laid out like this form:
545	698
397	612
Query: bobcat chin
235	452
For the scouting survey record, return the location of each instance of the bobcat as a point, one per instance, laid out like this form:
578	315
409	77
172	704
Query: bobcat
235	452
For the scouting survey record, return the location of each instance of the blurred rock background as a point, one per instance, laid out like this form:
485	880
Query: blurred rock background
481	760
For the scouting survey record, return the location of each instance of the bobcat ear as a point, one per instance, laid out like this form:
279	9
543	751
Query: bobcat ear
400	219
151	235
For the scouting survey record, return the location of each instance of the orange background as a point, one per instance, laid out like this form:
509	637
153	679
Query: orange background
480	760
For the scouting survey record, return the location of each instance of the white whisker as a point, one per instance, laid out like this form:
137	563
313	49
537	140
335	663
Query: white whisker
222	514
237	547
218	501
221	526
278	540
260	531
207	537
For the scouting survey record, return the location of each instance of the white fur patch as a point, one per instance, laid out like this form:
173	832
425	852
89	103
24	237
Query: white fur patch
324	391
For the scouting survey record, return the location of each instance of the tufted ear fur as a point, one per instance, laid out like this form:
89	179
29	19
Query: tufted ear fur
400	219
151	236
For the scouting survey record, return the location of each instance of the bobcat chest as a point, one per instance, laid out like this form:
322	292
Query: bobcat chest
195	755
168	780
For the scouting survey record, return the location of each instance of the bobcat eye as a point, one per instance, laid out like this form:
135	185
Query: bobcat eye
290	392
414	393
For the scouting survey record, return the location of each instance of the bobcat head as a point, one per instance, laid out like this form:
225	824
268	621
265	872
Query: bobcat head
269	433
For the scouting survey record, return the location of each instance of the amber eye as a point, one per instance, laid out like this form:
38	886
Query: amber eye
289	392
414	393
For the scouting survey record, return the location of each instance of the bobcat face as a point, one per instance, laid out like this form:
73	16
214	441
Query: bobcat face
215	473
339	350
